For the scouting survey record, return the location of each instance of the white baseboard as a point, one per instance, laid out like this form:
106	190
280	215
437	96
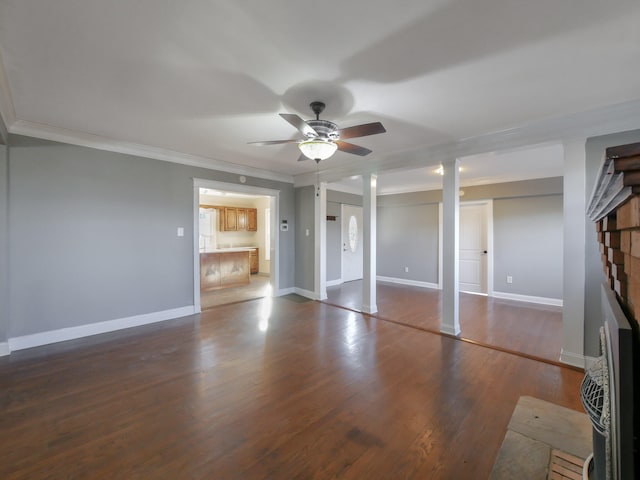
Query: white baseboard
449	330
589	361
573	359
4	349
371	309
71	333
306	293
285	291
556	302
333	283
404	281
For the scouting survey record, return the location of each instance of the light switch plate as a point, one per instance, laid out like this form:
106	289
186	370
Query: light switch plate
181	231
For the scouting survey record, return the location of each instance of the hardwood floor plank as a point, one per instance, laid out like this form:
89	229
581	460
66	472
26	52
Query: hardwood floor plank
319	392
528	328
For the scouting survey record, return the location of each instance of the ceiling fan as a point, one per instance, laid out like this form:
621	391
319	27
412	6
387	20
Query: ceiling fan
322	138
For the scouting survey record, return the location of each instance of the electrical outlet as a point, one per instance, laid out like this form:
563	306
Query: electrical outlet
509	279
406	269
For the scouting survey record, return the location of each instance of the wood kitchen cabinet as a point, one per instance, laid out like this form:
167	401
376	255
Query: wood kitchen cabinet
224	269
252	219
254	261
229	219
242	219
239	219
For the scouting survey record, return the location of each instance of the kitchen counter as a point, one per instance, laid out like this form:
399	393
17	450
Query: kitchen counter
231	249
225	268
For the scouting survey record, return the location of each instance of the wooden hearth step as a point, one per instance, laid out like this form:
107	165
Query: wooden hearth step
565	466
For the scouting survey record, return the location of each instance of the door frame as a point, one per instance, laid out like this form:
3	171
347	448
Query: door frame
360	233
198	183
488	204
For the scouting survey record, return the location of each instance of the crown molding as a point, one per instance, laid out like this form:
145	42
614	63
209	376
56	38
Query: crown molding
49	132
600	121
7	112
336	187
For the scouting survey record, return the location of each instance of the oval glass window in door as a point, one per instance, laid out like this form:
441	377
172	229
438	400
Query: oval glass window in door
353	234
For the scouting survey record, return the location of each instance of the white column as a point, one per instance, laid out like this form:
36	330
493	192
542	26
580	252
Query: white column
573	268
320	263
369	227
450	322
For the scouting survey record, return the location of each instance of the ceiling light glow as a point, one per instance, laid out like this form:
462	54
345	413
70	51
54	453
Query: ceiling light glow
317	149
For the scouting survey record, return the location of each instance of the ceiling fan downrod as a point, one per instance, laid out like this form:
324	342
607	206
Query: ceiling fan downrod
317	108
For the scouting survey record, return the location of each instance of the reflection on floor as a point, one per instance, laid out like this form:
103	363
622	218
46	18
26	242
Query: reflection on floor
259	287
522	327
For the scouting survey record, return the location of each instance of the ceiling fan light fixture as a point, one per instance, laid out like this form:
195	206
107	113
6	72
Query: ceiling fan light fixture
317	149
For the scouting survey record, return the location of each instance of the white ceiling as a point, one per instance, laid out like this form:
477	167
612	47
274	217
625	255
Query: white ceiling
198	80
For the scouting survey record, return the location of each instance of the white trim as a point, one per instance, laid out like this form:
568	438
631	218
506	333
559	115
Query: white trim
440	246
7	110
71	333
320	241
83	139
589	361
556	302
305	293
573	359
490	258
333	283
449	330
4	349
370	309
285	291
196	247
338	187
404	281
488	210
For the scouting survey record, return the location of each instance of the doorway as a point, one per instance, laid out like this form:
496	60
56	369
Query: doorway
352	243
475	250
235	243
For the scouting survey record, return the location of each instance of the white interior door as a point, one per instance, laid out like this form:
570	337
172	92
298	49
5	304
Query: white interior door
473	248
352	250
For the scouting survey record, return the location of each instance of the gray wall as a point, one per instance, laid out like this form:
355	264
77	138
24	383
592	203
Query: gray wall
408	237
4	244
305	244
334	235
519	208
528	245
92	234
594	275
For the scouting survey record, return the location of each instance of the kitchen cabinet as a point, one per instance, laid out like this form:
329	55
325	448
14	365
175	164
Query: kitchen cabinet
224	269
229	219
254	261
252	219
242	219
238	219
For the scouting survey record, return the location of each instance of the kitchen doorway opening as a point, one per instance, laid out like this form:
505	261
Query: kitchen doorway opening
235	243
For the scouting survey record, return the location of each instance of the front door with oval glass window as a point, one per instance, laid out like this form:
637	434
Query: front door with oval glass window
351	220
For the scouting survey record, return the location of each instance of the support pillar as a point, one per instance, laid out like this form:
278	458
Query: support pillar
369	227
320	259
573	269
450	320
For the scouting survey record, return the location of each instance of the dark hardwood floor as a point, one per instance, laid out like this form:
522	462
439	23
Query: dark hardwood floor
526	328
265	389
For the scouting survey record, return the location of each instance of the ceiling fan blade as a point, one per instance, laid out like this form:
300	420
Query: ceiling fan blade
351	148
273	142
362	130
300	124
